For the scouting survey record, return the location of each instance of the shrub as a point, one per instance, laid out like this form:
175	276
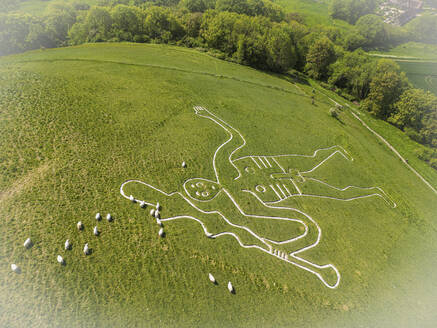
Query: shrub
333	113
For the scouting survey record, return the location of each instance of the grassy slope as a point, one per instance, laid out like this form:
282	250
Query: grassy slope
79	121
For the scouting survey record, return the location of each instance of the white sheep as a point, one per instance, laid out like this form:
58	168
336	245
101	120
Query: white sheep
98	216
86	249
109	217
132	199
158	221
80	225
67	244
15	268
157	215
60	259
152	212
230	287
161	232
143	204
28	243
96	231
184	165
211	278
158	206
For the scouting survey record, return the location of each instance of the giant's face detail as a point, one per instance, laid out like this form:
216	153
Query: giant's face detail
201	189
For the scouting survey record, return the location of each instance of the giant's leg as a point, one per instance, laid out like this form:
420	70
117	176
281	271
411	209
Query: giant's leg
286	242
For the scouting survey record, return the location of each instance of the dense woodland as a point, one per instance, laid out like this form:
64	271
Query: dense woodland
257	33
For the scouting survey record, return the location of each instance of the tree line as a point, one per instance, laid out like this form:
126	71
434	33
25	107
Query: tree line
257	33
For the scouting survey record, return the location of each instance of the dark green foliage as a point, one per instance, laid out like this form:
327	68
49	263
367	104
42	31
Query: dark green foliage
423	28
351	10
320	55
194	5
353	72
127	22
58	19
372	28
236	6
387	85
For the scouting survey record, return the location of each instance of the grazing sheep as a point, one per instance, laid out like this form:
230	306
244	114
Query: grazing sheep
15	268
109	217
209	235
28	243
95	231
152	212
158	206
67	244
161	232
60	259
80	225
132	199
230	287
143	204
98	216
212	279
184	165
86	249
157	214
158	221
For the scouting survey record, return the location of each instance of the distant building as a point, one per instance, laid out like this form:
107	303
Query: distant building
400	12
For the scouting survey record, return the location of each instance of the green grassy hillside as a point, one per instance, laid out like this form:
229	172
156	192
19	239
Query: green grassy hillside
78	122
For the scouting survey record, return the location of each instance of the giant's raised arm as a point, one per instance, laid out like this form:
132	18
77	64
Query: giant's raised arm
222	161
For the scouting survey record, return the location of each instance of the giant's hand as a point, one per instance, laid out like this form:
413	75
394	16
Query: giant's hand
201	111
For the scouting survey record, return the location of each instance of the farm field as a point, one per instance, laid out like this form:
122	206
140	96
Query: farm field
418	61
78	122
421	74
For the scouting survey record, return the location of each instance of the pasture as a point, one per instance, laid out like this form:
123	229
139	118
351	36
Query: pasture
78	122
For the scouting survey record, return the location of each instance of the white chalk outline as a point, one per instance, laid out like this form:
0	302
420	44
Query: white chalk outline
282	194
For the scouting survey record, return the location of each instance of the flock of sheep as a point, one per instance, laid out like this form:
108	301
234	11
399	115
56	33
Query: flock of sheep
67	246
154	212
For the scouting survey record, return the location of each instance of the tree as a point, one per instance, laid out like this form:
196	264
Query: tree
351	10
194	6
236	6
218	31
58	19
160	24
98	24
14	29
372	28
281	52
387	85
417	110
320	55
423	28
127	22
353	71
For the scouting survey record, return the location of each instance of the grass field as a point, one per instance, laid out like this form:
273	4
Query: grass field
38	7
78	122
314	12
